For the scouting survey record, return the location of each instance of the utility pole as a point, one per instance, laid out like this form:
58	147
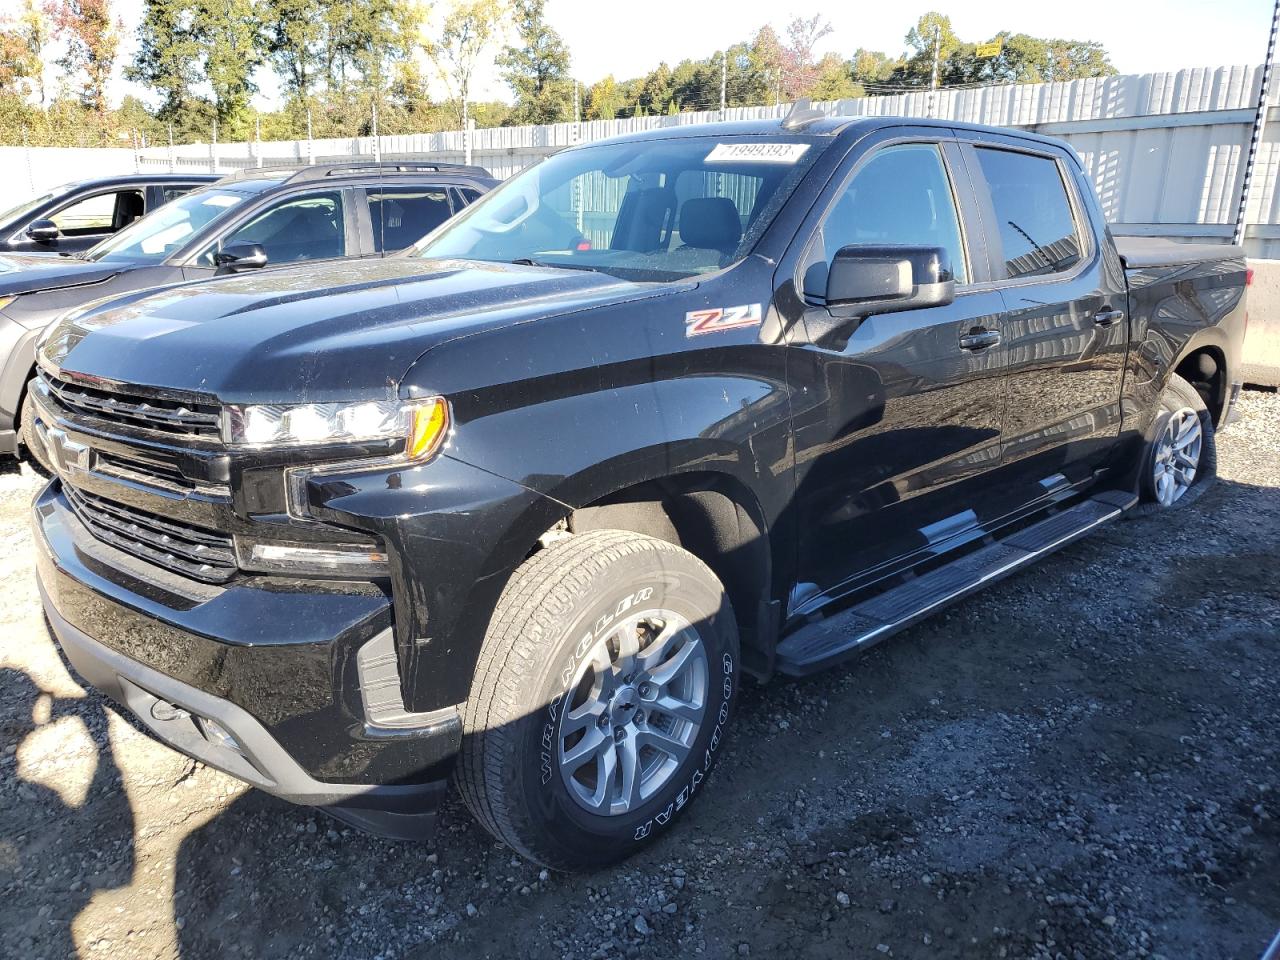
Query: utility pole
933	78
1259	126
311	147
577	108
377	147
724	80
257	138
171	167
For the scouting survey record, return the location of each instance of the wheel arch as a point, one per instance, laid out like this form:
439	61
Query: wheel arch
1203	364
719	520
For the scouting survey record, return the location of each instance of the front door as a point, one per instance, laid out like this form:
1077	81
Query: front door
898	417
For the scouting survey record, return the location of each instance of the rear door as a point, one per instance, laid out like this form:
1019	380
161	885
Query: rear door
1065	325
898	416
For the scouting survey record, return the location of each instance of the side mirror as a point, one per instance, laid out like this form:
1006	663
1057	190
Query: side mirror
887	278
240	256
43	231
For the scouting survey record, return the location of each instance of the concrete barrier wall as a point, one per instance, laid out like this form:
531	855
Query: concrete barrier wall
1262	342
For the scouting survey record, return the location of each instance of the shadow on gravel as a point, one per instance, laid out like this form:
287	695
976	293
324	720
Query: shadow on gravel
1053	768
52	831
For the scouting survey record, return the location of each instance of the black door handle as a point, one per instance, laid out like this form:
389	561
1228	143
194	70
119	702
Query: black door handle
979	339
1105	318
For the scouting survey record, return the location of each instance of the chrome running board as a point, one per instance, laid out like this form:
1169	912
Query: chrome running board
819	645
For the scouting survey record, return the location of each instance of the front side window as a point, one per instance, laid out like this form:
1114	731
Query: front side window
167	228
654	210
102	213
901	196
309	227
1037	228
402	216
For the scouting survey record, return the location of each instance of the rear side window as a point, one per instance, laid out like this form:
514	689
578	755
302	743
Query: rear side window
1038	230
402	216
171	191
902	195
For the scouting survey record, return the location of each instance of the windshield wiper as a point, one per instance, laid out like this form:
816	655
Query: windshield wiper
530	262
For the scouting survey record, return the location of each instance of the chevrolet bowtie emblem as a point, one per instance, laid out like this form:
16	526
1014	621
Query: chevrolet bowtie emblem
67	454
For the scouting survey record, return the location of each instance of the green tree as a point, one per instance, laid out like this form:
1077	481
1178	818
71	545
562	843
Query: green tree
871	66
932	35
537	70
834	80
604	99
768	61
294	34
230	37
469	28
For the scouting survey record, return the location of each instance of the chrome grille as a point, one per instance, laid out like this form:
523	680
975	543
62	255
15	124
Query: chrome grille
191	551
167	416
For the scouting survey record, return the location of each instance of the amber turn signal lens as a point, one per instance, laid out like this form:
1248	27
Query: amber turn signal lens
428	430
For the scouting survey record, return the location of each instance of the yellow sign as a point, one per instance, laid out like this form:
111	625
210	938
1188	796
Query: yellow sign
991	49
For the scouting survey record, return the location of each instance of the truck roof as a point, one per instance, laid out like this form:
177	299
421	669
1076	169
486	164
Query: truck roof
821	126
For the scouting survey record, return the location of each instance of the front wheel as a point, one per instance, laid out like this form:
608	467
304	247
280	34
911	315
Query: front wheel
601	698
1181	458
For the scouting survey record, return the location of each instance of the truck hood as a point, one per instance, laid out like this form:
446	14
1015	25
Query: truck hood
322	332
25	272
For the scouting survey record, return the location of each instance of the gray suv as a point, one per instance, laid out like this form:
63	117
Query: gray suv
252	220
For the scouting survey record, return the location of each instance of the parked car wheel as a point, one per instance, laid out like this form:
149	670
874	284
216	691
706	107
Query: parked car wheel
30	442
601	699
1181	460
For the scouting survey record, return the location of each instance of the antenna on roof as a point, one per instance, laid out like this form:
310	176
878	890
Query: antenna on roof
801	115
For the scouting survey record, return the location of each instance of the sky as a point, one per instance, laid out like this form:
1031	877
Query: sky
1142	36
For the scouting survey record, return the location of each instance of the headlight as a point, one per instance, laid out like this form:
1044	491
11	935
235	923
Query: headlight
422	424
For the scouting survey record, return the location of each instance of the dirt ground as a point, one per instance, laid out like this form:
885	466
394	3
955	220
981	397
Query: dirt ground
1081	762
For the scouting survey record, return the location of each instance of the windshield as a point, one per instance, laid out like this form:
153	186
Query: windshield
22	209
160	233
644	210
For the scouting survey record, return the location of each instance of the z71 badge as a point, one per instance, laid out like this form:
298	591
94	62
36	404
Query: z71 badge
716	319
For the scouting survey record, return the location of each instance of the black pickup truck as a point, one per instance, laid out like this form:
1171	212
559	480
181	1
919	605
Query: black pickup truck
519	508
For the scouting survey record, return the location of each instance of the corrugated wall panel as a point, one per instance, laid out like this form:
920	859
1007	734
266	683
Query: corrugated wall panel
1184	174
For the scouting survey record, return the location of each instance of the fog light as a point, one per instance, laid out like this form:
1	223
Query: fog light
218	735
350	559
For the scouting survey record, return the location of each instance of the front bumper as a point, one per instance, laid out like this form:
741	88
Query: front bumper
261	680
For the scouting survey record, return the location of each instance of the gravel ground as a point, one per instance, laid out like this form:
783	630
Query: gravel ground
1080	762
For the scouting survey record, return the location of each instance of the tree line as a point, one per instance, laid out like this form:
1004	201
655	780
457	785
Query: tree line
345	67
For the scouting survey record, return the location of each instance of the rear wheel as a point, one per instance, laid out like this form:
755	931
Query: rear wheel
1181	458
602	696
